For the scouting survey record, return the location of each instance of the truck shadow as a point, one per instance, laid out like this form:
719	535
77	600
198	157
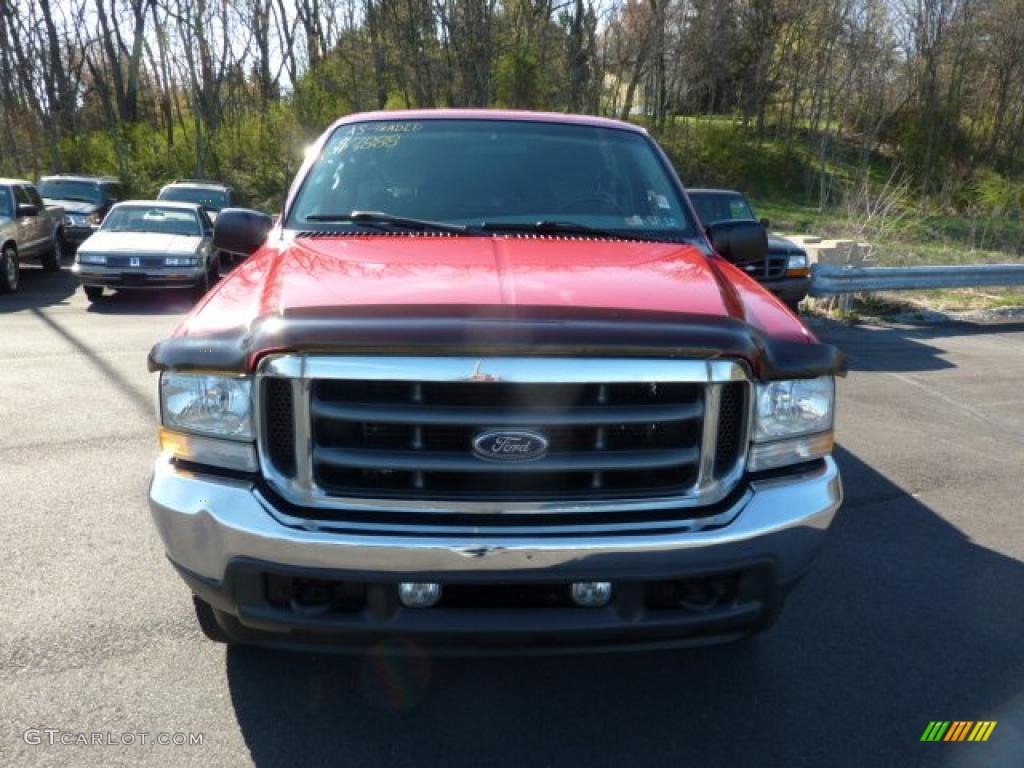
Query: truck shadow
902	620
40	288
901	348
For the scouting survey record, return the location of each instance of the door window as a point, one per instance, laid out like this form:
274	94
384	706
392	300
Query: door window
34	197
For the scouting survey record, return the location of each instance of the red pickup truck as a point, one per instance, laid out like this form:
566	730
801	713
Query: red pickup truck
486	385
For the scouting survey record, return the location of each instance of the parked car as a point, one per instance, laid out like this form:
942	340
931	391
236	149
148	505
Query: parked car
212	195
149	244
491	385
785	270
29	231
85	200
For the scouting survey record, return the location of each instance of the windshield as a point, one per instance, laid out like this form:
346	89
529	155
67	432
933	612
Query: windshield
210	199
721	206
472	172
148	218
61	189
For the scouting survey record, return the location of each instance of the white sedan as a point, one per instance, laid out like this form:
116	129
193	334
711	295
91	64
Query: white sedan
149	244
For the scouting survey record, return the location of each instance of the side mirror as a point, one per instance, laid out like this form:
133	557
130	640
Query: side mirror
766	224
739	241
239	230
27	209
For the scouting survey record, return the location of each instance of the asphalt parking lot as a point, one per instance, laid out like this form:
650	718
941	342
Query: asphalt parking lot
914	612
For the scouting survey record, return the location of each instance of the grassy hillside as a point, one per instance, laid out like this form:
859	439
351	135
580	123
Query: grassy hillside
864	197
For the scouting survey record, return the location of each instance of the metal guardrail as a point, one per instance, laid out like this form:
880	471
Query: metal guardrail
833	280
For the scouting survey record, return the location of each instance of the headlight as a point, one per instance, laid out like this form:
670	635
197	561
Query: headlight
91	258
791	408
181	261
793	422
219	406
94	219
797	261
76	220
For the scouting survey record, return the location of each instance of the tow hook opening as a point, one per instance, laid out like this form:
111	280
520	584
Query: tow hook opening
696	594
314	597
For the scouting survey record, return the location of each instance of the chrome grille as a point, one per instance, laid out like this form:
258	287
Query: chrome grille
143	261
772	267
394	432
415	438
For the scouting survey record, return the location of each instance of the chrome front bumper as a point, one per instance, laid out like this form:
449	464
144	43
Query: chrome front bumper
209	522
113	277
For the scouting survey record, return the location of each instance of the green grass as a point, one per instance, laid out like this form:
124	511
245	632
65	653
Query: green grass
917	305
916	238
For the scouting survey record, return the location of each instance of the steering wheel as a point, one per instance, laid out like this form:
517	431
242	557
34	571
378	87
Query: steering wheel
586	203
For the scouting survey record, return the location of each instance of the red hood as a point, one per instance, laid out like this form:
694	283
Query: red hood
555	272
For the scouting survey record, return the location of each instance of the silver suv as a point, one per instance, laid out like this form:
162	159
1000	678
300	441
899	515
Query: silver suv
29	229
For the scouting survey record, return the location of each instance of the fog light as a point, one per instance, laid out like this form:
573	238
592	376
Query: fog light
592	594
414	594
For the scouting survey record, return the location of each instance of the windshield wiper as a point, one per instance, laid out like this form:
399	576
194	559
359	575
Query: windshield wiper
559	228
389	220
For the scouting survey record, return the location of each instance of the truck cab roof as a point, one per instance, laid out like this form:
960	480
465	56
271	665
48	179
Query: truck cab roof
80	177
197	184
510	115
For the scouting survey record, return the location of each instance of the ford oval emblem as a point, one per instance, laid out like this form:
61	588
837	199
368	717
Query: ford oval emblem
502	445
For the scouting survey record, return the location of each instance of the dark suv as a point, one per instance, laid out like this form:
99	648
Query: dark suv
85	200
211	195
785	271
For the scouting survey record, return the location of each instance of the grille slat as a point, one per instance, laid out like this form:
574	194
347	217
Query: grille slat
397	414
414	461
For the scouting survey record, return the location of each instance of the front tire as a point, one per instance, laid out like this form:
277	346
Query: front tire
207	620
205	282
10	270
53	258
93	292
200	288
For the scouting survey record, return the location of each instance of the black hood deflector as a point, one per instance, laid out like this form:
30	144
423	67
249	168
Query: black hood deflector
502	330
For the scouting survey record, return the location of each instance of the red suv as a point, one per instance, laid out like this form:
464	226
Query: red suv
488	385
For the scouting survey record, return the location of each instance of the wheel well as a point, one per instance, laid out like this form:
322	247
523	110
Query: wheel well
9	243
